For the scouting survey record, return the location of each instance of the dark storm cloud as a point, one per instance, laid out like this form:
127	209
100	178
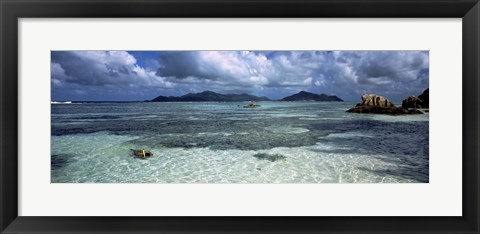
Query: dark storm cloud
101	75
397	66
100	68
181	65
94	68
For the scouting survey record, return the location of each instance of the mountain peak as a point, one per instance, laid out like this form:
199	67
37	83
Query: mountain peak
307	96
210	96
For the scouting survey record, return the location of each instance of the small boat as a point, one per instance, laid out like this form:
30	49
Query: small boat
141	153
54	102
251	105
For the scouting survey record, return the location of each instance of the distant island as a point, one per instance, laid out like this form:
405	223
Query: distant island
306	96
210	96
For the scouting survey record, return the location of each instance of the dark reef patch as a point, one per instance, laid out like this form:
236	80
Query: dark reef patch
59	160
409	173
270	157
405	144
239	129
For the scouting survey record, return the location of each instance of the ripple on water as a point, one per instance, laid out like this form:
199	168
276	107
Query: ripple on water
286	129
108	161
218	143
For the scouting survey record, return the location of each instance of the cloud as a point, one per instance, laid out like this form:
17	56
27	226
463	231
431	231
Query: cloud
347	74
101	68
234	66
391	66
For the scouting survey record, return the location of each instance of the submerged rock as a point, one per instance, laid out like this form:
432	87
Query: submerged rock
137	153
270	157
60	160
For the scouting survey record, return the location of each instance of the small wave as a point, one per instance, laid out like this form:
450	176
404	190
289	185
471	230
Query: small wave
286	129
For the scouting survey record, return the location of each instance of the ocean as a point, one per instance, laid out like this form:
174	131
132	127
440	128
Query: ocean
209	142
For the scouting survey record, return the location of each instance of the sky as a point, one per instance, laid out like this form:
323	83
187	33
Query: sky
144	75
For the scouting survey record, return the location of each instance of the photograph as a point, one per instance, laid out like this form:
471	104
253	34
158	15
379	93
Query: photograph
239	117
275	116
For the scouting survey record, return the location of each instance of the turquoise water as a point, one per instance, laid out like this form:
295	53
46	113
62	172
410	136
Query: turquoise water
280	142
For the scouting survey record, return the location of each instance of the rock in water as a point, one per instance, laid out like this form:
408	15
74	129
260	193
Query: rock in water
383	110
141	153
412	102
376	104
424	98
375	100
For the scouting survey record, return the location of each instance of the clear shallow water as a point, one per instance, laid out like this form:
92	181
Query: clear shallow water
304	142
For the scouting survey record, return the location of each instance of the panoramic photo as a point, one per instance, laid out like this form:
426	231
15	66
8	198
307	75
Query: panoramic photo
284	117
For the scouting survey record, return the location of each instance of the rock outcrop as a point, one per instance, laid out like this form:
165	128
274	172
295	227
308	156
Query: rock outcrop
376	104
424	98
383	110
375	101
412	102
422	101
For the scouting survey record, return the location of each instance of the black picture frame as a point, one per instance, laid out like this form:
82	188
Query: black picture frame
12	10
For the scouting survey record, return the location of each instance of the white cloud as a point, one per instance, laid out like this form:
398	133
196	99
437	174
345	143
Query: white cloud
307	81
